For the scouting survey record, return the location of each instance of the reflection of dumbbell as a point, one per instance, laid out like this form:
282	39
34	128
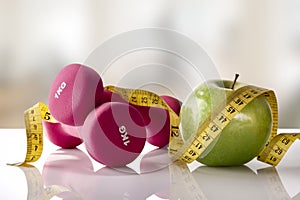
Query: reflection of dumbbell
114	133
71	168
157	163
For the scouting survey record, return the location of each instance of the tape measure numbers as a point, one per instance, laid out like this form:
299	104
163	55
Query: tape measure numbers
34	130
189	150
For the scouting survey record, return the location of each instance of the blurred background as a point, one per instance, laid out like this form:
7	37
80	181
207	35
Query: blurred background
259	39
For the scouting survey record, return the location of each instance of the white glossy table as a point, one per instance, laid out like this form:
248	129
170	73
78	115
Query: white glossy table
72	174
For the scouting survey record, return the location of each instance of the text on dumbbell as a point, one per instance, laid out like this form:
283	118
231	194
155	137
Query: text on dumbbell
124	135
60	90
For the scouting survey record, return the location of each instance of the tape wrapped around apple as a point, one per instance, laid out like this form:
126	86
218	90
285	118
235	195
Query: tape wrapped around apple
242	139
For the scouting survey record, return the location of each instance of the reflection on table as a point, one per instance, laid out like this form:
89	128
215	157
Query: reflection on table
69	174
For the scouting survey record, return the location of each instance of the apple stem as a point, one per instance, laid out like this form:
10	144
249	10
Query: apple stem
235	79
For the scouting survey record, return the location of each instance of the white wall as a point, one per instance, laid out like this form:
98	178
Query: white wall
258	39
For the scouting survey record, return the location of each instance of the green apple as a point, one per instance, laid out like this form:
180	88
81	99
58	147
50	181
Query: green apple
242	139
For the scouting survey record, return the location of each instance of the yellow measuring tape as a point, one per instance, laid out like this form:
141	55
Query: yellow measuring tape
34	130
212	127
189	150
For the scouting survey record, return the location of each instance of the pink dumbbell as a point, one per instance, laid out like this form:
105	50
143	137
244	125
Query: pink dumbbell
114	134
75	91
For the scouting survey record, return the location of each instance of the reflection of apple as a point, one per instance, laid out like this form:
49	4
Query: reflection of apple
242	139
229	183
